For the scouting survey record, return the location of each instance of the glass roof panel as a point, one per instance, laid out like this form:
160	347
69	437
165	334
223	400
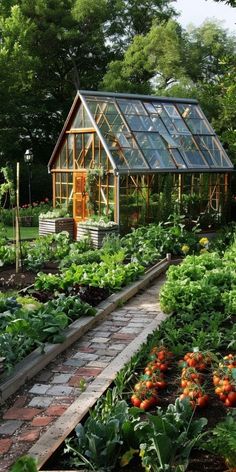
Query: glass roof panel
160	159
157	124
189	111
178	159
131	107
161	133
198	126
172	111
150	141
192	155
129	159
212	147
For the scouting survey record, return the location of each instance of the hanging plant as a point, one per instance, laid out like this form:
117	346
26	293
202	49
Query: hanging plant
91	187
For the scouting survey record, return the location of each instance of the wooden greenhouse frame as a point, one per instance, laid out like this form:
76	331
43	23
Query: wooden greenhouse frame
137	159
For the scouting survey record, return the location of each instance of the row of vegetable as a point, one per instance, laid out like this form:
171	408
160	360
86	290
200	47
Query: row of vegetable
178	392
26	324
144	245
197	378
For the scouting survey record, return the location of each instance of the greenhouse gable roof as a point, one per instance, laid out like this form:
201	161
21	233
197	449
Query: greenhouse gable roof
143	133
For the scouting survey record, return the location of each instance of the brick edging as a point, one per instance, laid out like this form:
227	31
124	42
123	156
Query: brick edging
56	434
36	361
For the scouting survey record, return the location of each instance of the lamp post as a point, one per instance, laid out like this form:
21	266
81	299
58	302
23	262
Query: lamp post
28	158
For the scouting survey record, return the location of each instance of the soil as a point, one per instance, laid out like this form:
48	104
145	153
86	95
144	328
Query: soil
24	281
9	280
200	460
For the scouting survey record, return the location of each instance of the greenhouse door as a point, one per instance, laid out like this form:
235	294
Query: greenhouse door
80	212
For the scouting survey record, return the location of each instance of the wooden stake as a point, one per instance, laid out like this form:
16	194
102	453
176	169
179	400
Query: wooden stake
17	217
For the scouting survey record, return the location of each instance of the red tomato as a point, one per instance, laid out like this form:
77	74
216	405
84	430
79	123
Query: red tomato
202	401
149	384
232	398
160	384
222	397
227	387
145	404
135	400
163	367
228	402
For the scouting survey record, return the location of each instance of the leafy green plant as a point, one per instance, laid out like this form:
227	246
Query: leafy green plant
24	464
55	213
98	443
168	438
222	441
26	324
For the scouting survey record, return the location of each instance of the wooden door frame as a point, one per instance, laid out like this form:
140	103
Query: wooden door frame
82	173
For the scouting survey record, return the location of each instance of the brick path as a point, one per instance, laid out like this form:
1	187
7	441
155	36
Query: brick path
29	413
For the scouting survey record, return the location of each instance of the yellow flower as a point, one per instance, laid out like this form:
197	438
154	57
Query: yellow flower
204	242
204	249
185	249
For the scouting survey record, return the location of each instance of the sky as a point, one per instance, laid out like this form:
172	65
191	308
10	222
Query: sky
197	11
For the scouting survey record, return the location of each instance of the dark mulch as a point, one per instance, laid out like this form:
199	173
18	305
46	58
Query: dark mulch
9	280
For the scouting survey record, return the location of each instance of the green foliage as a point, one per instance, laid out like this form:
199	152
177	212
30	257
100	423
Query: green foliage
7	187
7	215
98	443
149	243
7	254
197	284
24	464
168	438
222	440
78	258
113	276
26	324
55	213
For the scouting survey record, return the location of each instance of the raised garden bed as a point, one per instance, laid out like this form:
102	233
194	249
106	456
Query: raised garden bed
199	335
56	225
96	233
33	363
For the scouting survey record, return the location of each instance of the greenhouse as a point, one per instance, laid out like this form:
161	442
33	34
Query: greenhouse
138	159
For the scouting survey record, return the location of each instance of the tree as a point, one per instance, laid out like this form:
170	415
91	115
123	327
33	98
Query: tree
129	18
156	58
232	3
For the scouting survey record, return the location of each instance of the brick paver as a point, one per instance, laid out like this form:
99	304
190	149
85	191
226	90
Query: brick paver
5	445
46	397
21	414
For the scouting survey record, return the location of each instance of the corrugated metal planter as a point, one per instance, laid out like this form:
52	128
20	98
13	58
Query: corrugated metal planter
97	233
56	225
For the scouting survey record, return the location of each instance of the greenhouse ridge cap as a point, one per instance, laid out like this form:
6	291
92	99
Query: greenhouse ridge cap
136	96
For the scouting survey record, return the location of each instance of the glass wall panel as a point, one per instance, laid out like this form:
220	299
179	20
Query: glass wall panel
81	119
70	148
153	198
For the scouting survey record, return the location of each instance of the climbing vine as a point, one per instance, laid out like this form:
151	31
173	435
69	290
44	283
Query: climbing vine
91	187
7	186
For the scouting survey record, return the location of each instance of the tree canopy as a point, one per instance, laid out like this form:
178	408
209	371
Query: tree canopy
50	48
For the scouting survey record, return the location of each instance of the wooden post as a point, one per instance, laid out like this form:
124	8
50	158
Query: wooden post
17	217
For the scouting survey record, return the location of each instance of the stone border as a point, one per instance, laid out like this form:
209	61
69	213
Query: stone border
36	361
56	434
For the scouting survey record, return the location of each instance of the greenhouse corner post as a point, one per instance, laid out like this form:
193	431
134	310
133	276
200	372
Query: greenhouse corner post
17	217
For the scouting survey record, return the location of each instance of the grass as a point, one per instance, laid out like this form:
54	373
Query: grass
26	232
